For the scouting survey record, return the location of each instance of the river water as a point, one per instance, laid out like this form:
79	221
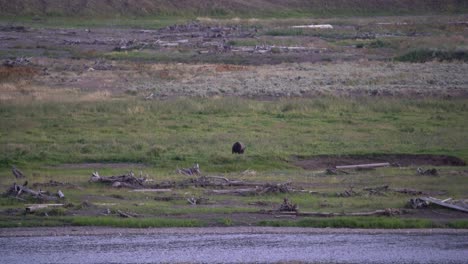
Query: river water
236	248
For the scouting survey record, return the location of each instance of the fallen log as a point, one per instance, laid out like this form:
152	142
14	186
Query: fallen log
34	207
17	190
385	212
378	190
371	165
260	189
17	173
125	215
443	204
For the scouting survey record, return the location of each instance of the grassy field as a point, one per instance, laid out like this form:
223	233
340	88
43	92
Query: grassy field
84	102
156	137
180	132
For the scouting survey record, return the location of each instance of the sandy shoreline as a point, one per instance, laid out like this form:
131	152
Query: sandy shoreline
80	231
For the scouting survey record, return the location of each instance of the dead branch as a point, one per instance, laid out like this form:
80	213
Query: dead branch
17	173
407	191
333	171
379	190
347	193
194	170
126	215
259	189
422	171
127	180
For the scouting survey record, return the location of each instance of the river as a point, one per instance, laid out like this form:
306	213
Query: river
230	247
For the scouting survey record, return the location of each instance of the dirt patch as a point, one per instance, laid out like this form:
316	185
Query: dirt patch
328	161
20	72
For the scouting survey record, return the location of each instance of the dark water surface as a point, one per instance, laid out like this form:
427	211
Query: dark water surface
229	248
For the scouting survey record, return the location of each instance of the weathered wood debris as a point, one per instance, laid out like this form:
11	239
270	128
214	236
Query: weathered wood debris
127	180
257	190
287	206
422	171
194	170
18	190
383	212
423	202
17	173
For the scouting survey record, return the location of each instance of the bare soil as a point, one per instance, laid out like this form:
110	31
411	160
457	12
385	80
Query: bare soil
321	162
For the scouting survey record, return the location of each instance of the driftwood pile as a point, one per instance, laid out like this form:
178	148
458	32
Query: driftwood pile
127	180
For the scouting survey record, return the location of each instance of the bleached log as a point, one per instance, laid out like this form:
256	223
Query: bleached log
60	194
34	207
444	204
371	165
18	190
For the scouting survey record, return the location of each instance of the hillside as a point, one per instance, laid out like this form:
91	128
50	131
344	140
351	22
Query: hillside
108	8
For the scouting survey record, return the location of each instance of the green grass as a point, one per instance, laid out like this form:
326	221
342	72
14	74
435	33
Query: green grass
177	133
359	222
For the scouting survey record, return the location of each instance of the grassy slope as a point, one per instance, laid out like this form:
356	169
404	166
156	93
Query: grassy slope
228	7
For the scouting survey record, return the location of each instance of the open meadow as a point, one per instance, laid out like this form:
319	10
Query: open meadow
148	98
